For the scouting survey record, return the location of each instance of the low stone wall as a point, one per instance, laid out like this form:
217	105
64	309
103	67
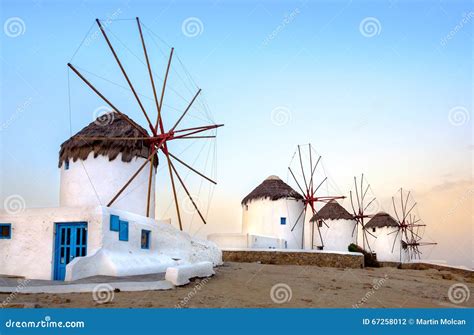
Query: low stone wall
326	259
427	266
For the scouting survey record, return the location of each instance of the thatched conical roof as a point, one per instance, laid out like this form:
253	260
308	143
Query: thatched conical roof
382	219
332	211
272	188
112	124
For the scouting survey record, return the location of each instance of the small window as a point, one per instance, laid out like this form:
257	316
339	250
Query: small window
283	221
146	239
320	223
246	207
123	232
5	231
114	223
320	247
373	230
66	165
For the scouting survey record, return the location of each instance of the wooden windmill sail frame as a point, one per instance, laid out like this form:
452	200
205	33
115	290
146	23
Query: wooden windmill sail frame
310	199
360	214
408	228
160	137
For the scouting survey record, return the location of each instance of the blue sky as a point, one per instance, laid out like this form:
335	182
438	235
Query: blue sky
376	104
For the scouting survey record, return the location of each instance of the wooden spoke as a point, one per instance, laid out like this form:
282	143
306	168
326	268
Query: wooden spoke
192	133
317	188
299	216
370	202
185	111
312	175
395	240
167	154
159	121
202	128
106	100
125	75
187	192
296	181
302	170
194	137
191	168
357	194
395	210
150	73
131	178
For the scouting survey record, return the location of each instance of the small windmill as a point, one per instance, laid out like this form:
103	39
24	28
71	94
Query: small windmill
409	226
360	208
160	137
306	184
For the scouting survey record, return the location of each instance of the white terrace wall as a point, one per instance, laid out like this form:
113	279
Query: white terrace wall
168	247
29	252
95	181
261	217
337	236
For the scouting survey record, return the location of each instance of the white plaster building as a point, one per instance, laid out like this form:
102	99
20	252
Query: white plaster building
384	227
82	237
336	225
269	213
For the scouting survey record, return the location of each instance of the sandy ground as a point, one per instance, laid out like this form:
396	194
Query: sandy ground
250	285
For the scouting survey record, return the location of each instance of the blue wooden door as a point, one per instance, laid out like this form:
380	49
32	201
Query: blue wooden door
70	242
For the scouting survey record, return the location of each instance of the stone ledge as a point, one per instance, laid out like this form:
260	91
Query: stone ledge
326	259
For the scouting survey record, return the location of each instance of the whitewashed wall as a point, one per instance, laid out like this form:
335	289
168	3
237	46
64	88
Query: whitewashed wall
337	236
382	245
262	217
29	252
96	181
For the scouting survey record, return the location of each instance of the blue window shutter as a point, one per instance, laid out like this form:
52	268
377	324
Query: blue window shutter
114	223
283	221
123	233
5	231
